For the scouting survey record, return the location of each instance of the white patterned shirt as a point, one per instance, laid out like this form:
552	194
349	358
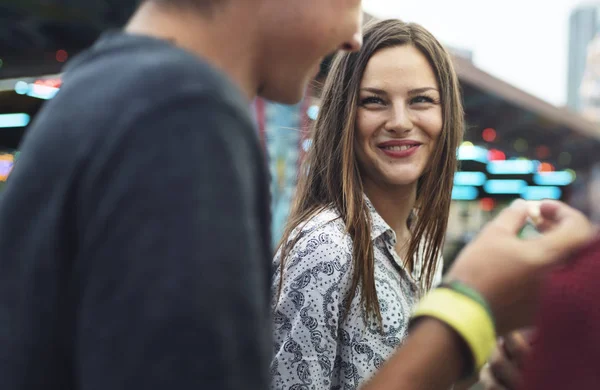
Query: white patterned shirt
315	347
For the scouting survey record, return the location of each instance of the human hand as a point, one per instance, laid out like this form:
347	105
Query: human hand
508	270
504	370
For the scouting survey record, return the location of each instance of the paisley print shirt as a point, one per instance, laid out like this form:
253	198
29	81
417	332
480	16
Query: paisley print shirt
315	346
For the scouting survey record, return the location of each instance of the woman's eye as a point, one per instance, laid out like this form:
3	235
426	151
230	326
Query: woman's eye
371	100
422	99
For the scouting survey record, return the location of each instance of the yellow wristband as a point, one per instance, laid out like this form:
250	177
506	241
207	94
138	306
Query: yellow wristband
466	316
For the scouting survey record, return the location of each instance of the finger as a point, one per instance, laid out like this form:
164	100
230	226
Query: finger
548	214
487	380
504	370
570	230
544	226
517	348
544	218
552	210
512	218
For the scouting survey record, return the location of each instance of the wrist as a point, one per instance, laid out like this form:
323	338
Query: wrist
430	347
491	298
458	350
466	290
466	312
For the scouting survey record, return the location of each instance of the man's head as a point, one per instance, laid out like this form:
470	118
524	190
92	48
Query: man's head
297	36
283	41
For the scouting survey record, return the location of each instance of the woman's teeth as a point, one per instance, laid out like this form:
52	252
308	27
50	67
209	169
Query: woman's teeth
399	148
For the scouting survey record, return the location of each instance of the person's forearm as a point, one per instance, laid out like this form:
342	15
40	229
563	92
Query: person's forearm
431	358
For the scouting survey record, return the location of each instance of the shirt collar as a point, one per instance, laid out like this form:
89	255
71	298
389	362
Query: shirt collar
378	226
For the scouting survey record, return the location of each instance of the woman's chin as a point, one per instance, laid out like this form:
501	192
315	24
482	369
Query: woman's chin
402	181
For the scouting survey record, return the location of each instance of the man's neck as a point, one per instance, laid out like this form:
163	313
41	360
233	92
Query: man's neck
228	40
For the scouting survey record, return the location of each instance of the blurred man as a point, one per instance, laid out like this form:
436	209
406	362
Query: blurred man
564	350
135	247
135	252
507	271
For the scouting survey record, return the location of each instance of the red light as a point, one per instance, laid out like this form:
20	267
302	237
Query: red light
542	152
546	167
62	56
487	204
53	83
496	155
489	135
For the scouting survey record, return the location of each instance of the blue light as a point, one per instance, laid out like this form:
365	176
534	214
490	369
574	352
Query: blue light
539	193
313	112
14	120
35	90
472	153
560	178
21	87
464	193
512	167
469	178
505	186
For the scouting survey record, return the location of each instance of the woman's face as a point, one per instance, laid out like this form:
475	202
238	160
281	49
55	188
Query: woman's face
399	117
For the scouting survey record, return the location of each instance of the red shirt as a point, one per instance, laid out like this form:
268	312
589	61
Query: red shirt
567	350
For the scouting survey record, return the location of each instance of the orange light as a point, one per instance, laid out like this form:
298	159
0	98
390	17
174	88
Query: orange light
62	56
489	135
487	204
496	155
546	167
53	83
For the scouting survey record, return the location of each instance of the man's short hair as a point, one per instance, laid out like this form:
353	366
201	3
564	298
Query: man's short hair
202	5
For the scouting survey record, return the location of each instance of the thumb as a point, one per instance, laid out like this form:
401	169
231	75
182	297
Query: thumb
570	229
512	218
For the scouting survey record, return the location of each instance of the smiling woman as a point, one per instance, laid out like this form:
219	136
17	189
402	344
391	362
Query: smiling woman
399	118
364	238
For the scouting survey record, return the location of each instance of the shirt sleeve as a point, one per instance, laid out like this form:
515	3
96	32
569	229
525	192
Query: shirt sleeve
172	272
308	312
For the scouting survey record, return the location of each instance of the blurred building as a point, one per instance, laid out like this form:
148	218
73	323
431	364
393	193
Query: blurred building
584	24
283	129
461	52
590	101
38	37
590	85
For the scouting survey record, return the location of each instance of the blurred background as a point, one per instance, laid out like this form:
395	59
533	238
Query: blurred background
529	70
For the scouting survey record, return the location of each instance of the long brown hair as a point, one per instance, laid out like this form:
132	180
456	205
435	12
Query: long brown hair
330	174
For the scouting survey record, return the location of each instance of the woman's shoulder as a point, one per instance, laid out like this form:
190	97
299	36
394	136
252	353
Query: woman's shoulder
325	223
323	237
